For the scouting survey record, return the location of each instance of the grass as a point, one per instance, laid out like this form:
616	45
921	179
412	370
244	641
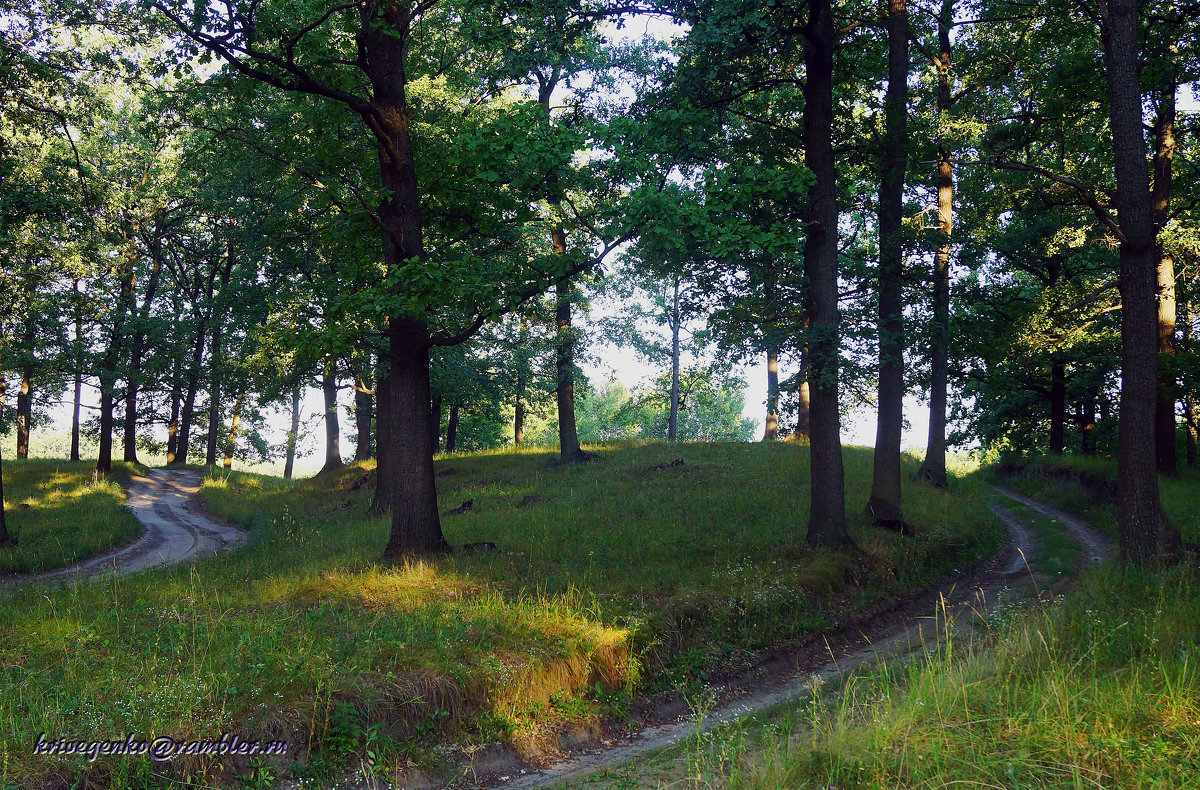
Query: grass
61	514
1096	690
616	581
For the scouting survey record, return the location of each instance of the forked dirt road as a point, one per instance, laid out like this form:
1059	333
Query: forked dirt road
920	623
176	530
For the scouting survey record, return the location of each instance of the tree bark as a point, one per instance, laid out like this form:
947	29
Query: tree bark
569	451
293	433
139	345
173	424
416	526
884	504
673	419
25	395
452	429
1189	400
1145	535
1058	406
333	430
234	422
827	501
518	422
364	411
771	430
214	397
803	396
1160	205
78	353
6	538
108	367
189	398
933	468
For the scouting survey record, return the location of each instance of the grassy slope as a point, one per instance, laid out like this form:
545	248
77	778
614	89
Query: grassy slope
1099	688
619	578
61	514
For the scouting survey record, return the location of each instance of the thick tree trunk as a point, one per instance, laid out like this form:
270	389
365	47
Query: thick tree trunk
382	501
452	429
884	503
214	398
1145	535
24	411
293	433
234	422
673	419
139	346
518	422
933	468
1160	206
827	500
333	430
564	362
1189	415
1058	406
364	411
771	430
416	527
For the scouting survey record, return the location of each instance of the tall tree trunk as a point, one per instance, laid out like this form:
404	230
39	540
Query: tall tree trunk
78	353
234	422
333	430
1160	205
139	344
569	451
6	538
803	396
518	422
293	433
673	419
933	468
108	367
382	501
25	401
364	411
416	527
452	429
884	503
827	500
771	430
173	424
1189	400
1058	406
189	399
1145	535
214	398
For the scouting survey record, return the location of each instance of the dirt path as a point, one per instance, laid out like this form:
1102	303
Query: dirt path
175	530
917	624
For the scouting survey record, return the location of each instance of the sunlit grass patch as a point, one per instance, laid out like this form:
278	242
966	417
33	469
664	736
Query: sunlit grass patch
61	513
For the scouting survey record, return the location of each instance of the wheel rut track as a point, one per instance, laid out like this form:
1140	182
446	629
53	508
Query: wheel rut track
175	531
916	623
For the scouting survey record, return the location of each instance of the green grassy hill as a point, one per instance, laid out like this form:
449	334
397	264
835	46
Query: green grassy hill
610	580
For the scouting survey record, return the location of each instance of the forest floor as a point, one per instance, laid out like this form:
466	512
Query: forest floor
631	578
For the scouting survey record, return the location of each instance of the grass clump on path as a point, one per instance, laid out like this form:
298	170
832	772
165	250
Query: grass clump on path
610	579
61	513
